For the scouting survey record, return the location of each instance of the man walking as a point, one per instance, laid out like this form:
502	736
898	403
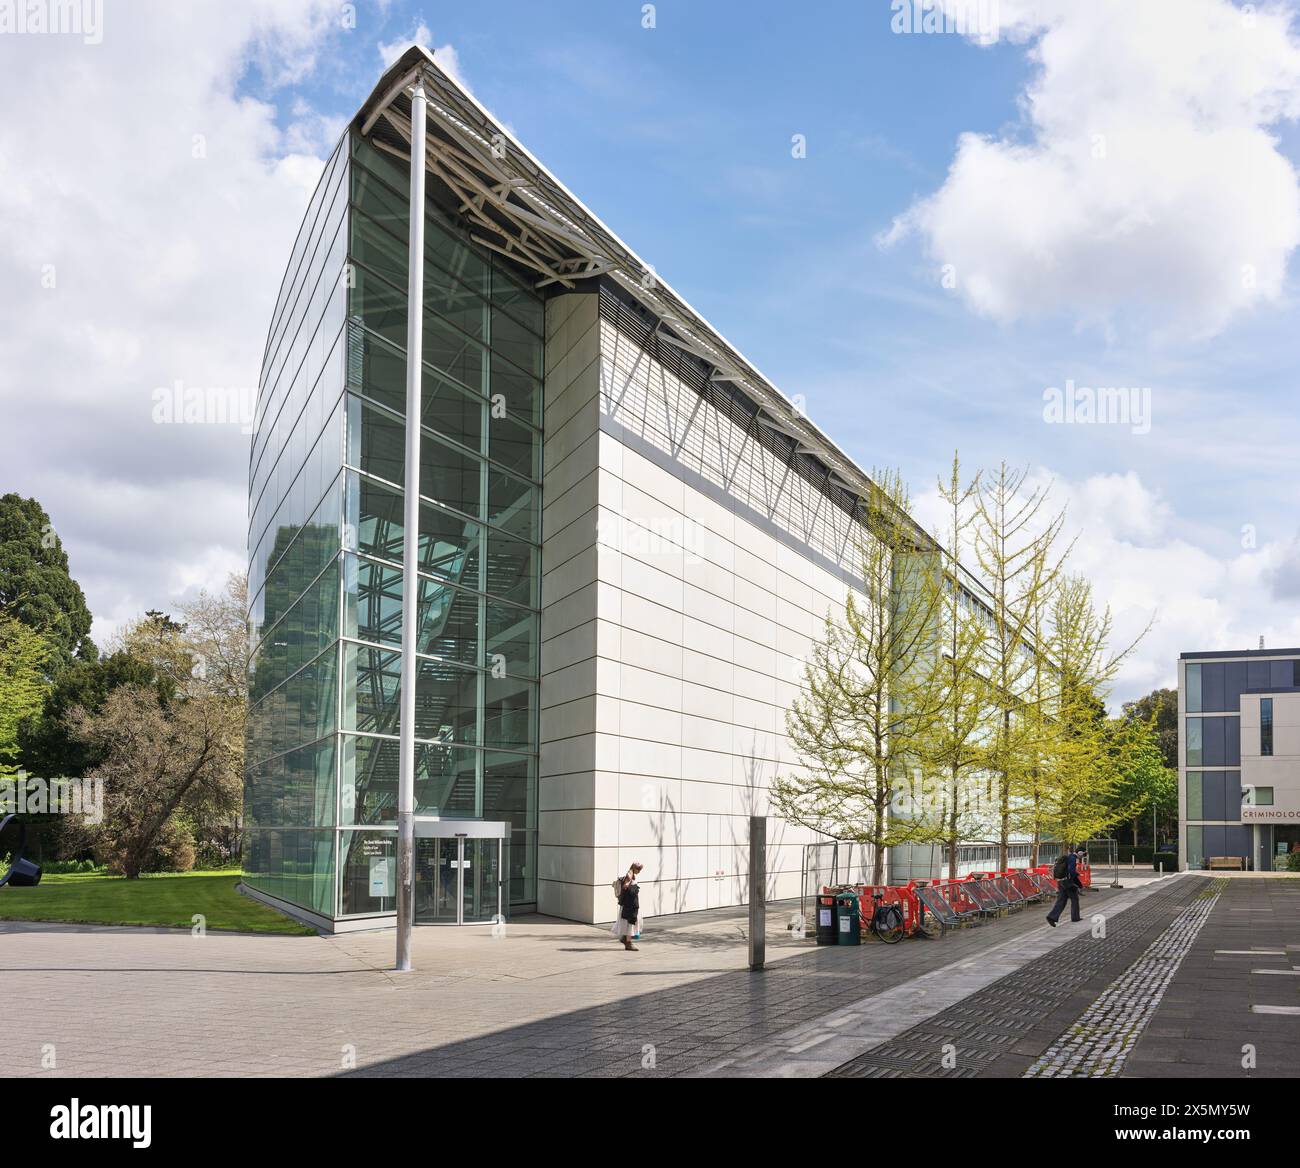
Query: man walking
1066	872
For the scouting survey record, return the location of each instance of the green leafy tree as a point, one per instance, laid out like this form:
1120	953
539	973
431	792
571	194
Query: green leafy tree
160	765
36	587
1090	755
1145	782
1016	551
953	746
1160	706
47	745
868	705
24	658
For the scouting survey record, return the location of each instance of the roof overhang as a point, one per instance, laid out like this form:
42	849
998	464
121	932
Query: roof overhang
516	207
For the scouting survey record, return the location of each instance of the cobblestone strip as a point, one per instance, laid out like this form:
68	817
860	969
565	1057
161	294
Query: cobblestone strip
1101	1039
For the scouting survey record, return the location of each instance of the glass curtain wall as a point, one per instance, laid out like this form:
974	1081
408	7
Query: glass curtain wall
479	561
295	509
326	547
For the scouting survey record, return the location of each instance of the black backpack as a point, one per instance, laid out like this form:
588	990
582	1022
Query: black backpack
1061	869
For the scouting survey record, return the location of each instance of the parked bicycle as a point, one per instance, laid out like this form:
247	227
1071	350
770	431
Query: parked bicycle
886	920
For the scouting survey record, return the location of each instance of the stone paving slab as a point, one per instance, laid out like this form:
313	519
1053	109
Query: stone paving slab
1205	1023
550	995
871	1022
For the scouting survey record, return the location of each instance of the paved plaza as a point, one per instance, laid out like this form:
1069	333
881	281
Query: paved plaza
1186	976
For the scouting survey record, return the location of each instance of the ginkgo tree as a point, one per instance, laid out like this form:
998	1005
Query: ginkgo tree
869	703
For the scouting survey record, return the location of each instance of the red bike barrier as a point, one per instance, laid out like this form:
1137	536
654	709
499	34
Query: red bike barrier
903	896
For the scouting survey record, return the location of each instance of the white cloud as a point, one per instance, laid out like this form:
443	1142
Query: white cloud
164	202
444	55
1146	180
1130	545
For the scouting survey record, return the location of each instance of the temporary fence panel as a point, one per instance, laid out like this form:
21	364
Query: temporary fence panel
988	903
1103	862
949	905
1005	887
831	863
1026	884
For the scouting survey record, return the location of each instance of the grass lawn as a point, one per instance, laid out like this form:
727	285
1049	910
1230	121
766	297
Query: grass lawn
169	899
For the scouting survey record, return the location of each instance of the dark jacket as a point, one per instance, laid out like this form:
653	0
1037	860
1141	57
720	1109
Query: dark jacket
629	902
1072	868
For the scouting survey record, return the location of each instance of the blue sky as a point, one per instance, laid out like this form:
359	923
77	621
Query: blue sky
680	138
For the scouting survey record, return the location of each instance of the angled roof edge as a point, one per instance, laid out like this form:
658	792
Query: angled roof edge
656	299
459	111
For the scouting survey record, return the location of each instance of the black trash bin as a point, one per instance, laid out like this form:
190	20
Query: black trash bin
848	926
826	919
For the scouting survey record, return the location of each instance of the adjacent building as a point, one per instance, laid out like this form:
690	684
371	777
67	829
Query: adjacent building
1239	757
628	541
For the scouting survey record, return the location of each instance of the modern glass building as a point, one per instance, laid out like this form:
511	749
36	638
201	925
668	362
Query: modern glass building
325	540
1239	757
628	541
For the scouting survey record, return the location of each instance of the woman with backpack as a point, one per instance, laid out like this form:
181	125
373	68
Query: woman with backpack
628	924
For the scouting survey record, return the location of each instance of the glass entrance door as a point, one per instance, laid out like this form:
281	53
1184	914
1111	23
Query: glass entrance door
457	880
437	898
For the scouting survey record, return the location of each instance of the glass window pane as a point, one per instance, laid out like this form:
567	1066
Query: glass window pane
455	256
513	504
1193	689
368	872
377	442
379	306
377	369
450	477
512	633
509	713
379	250
449	623
512	568
1195	795
521	393
451	351
452	411
449	546
368	779
1194	742
446	780
375	518
1213	677
516	343
449	543
515	446
446	703
522	303
370	689
372	602
453	302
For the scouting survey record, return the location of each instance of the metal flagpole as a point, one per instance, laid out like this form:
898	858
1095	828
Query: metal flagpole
411	537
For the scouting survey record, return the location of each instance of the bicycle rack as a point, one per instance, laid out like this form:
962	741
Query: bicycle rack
23	873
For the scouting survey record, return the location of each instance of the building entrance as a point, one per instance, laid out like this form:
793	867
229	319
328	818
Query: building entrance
459	871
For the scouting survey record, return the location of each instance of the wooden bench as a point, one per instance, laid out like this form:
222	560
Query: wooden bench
1226	863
